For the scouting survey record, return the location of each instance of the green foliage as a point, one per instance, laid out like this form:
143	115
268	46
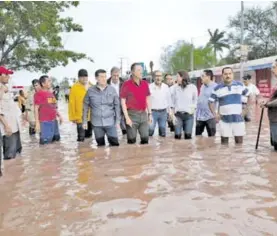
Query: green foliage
217	42
260	32
178	57
30	35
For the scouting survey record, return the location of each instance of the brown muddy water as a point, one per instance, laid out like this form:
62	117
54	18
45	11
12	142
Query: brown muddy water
168	188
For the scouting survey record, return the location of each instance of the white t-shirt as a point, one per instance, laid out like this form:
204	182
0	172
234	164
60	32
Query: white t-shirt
252	88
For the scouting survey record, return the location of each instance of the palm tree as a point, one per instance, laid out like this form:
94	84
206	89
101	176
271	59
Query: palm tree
217	42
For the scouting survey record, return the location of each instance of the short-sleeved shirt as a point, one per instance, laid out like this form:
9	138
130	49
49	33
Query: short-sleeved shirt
230	99
135	94
47	105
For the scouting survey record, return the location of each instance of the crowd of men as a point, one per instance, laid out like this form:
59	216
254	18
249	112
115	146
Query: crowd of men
135	107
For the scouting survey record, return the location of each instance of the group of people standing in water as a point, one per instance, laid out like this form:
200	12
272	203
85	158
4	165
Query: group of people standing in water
135	106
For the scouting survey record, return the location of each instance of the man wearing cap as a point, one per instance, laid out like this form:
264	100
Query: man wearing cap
117	82
75	107
10	118
254	94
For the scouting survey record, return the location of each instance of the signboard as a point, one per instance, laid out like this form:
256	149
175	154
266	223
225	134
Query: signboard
264	86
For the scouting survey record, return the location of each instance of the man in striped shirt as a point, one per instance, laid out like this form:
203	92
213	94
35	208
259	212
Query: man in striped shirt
230	95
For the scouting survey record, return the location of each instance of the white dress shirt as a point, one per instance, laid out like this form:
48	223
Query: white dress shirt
160	96
116	86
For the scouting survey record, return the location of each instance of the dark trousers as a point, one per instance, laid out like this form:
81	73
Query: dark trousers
140	124
11	145
210	125
111	133
81	133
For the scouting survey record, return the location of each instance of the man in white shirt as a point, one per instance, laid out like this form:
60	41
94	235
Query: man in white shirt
161	102
254	95
117	82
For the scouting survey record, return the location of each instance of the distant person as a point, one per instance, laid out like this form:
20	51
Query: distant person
160	103
117	82
170	82
66	94
103	102
184	101
46	113
22	101
230	95
56	92
30	106
204	116
271	104
75	107
254	95
136	106
10	119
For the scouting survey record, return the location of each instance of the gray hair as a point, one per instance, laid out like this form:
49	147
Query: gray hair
115	69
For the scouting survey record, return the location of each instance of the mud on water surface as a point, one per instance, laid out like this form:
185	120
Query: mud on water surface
168	188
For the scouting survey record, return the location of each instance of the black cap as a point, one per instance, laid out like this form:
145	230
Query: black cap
82	73
246	77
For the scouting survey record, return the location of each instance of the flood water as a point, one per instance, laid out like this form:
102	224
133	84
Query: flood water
168	188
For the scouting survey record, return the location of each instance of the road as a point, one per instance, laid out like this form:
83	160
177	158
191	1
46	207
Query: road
170	187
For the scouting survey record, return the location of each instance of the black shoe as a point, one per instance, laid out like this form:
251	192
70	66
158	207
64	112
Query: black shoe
124	132
8	158
178	136
187	136
1	174
80	140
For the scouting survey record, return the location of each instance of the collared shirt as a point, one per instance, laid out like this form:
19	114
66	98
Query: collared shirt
135	94
203	112
184	99
160	96
11	113
104	105
230	99
116	86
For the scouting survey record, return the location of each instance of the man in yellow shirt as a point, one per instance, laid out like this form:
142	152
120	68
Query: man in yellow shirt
75	108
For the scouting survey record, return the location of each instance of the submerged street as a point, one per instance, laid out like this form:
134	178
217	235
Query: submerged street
167	188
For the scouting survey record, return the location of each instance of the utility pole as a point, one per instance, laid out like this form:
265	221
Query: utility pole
191	56
121	65
241	40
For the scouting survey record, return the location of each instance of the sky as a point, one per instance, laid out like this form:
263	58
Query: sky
136	30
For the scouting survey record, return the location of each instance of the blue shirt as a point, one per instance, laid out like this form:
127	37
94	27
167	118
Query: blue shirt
230	99
203	112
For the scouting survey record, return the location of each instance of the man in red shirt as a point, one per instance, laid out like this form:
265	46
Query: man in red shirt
136	106
46	112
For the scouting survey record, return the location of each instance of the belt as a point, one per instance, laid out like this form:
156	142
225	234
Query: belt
159	110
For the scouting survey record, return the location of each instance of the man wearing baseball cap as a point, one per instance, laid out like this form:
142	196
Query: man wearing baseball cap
254	94
9	117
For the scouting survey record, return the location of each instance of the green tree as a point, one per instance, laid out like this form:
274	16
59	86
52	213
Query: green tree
217	42
181	56
64	83
30	35
260	33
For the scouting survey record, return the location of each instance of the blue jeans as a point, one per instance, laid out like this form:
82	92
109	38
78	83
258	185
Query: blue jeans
110	131
159	117
49	132
184	122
